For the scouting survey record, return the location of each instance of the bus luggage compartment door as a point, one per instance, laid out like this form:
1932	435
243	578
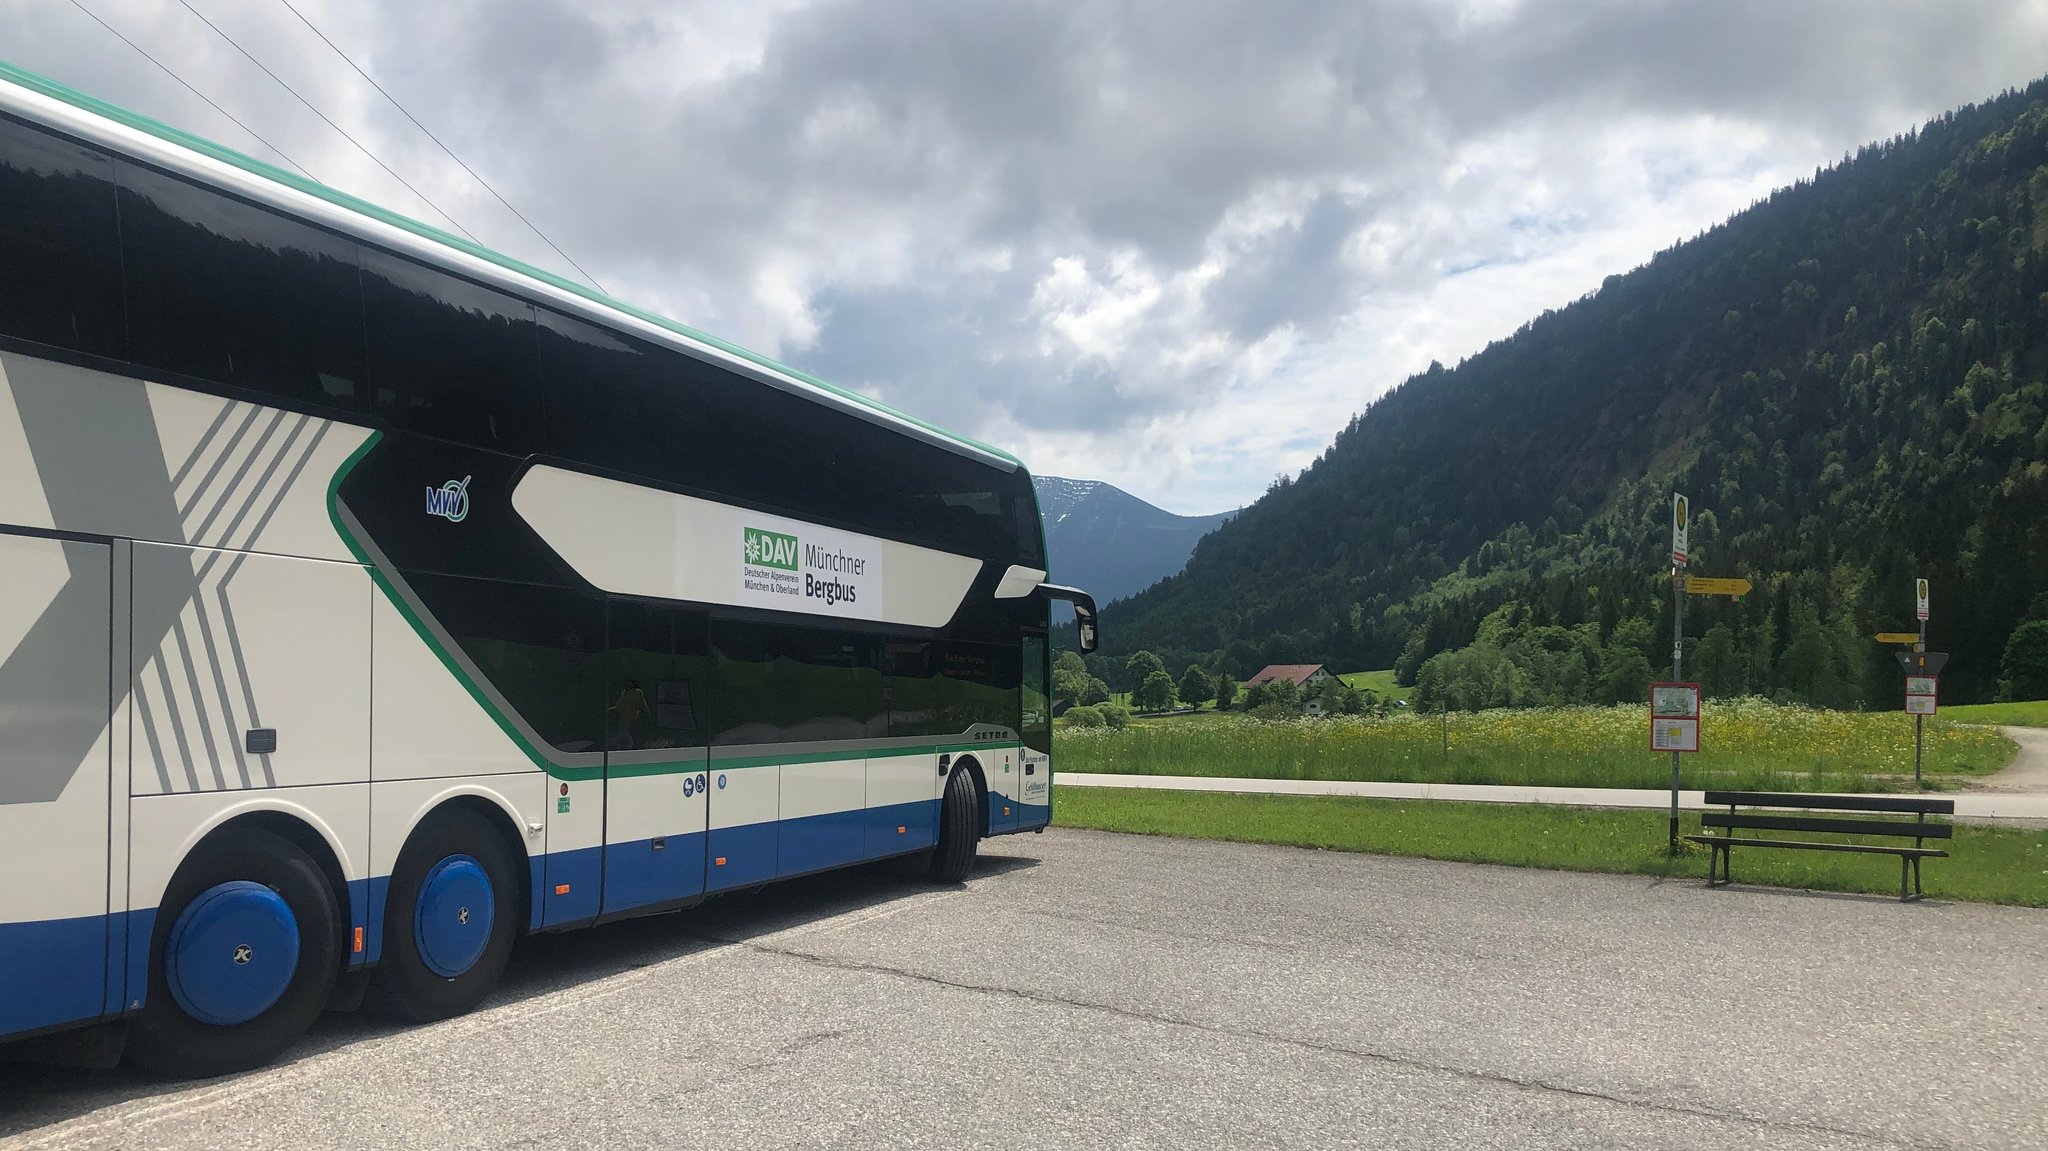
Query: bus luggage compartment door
55	769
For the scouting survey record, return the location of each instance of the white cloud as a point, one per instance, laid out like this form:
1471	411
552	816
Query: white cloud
1172	245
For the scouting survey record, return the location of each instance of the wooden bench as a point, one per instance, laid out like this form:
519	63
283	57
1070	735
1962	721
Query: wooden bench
1917	829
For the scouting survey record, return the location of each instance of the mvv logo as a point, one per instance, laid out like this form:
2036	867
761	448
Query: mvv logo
768	549
450	501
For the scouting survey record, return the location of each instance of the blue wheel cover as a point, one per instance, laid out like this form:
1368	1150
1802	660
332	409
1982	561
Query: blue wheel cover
451	921
232	953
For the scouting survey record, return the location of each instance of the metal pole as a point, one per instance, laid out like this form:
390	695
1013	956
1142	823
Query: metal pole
1677	676
1443	715
1918	720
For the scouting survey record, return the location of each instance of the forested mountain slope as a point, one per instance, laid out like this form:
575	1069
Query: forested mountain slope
1847	379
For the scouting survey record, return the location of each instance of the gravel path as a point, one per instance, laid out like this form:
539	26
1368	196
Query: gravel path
2028	771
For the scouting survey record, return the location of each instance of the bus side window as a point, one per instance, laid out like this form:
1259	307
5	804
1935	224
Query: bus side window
780	684
61	251
655	687
449	358
616	403
240	295
541	648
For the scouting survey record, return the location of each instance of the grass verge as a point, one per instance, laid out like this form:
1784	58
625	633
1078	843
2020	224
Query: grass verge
2033	713
1749	745
1987	864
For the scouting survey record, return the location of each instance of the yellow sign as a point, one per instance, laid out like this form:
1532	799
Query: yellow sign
1705	585
1898	637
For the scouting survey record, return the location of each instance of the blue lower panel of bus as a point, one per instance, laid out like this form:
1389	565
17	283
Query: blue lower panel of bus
741	856
651	871
1030	815
758	852
56	970
816	842
572	890
902	827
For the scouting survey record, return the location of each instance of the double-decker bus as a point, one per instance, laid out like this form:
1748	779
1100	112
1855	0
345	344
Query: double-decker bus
368	599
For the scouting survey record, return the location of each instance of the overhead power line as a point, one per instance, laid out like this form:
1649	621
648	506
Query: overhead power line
437	142
165	69
330	123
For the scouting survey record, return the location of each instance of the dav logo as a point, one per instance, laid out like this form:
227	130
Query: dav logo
450	501
768	549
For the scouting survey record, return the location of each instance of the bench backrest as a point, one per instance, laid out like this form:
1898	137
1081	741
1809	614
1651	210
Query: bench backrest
1919	807
1911	804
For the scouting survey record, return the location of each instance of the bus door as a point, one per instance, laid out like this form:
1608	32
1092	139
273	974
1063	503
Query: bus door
655	759
1034	787
56	764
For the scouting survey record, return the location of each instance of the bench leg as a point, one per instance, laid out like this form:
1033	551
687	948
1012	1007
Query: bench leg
1918	891
1905	863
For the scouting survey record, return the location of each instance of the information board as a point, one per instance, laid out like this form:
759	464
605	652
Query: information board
1674	735
1674	717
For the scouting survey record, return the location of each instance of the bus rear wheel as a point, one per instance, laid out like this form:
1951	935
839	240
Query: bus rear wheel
449	921
245	952
959	828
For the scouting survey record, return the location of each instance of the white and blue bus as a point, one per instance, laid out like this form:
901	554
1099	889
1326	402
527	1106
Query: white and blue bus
368	599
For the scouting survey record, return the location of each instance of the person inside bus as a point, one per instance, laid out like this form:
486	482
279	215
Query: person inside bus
629	710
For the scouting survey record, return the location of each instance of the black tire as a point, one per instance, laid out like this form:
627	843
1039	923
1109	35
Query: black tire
959	828
165	1039
404	986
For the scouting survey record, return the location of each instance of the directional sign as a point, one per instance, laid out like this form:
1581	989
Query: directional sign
1681	514
1708	585
1922	662
1898	637
1920	593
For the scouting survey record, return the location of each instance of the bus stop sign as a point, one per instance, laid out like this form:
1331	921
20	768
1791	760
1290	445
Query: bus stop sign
1922	662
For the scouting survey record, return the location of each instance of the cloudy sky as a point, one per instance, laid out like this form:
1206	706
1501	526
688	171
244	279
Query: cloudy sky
1174	244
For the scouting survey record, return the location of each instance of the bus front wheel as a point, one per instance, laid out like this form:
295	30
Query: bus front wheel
450	920
245	951
959	828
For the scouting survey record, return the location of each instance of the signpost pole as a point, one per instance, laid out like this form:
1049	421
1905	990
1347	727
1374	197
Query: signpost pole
1919	721
1677	675
1681	517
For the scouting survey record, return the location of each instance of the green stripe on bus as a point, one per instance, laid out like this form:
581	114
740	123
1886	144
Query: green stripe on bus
738	761
405	611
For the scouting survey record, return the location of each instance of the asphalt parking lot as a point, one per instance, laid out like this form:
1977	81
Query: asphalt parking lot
1091	990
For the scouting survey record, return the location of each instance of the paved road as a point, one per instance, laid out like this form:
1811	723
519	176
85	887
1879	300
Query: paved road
2027	802
1091	990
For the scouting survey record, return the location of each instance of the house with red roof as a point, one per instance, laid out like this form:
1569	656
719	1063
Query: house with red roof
1307	676
1302	675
